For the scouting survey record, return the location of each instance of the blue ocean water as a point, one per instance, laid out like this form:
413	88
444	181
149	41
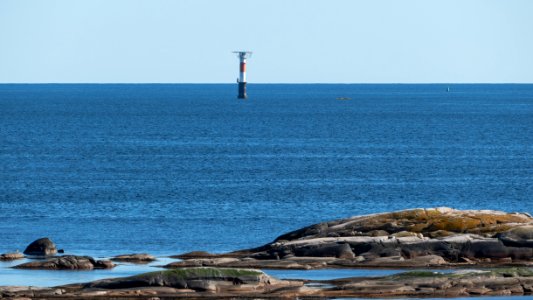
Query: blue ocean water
109	169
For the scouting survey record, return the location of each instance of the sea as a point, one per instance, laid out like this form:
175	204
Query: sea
107	169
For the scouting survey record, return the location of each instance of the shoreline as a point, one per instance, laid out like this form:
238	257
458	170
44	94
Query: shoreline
221	283
435	251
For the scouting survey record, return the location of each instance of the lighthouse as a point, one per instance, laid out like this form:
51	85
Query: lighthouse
242	55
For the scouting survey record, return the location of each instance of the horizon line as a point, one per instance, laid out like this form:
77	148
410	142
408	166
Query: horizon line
265	83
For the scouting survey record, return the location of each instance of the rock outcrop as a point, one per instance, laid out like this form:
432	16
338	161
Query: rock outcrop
41	247
416	238
68	262
192	283
432	222
497	282
217	283
518	237
11	256
198	279
139	258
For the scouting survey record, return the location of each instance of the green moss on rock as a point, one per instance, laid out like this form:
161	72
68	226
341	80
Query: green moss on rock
417	274
187	273
496	272
512	272
193	278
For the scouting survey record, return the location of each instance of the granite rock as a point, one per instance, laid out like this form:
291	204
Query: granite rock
134	258
68	262
518	237
11	256
41	247
450	237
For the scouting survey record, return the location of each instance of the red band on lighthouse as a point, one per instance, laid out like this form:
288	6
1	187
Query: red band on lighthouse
243	67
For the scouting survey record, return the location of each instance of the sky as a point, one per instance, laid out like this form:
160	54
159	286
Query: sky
294	41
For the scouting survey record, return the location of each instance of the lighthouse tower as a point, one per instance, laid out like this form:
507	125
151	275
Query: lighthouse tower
243	55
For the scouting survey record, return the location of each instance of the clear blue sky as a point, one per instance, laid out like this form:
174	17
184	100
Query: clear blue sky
190	41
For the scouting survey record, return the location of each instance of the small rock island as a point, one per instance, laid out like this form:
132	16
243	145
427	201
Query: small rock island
435	237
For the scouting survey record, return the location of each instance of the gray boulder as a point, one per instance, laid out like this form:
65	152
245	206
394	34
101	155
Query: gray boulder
41	247
328	250
517	237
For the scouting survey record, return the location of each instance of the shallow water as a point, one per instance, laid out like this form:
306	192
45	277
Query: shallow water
327	274
48	278
44	278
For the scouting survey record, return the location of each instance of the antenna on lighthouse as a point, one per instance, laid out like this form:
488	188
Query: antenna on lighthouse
242	55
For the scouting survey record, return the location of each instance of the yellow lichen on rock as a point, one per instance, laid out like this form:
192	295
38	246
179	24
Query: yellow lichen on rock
440	219
453	224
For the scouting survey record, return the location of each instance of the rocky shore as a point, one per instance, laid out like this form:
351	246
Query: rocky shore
492	250
436	237
223	283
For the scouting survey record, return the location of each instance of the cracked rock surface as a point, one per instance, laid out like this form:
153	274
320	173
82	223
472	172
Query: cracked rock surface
409	238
